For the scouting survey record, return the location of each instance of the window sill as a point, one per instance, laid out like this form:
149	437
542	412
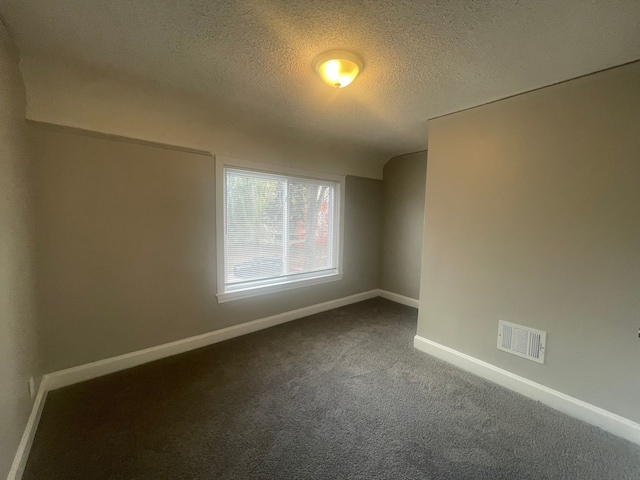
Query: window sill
278	287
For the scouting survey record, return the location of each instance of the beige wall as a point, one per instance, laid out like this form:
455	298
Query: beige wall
18	339
127	248
533	216
403	218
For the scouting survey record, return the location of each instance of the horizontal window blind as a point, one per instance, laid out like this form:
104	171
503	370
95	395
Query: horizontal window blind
277	228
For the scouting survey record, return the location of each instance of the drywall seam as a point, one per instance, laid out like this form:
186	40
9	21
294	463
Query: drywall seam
615	424
595	72
118	138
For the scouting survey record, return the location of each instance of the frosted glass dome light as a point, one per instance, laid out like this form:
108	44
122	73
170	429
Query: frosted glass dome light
338	68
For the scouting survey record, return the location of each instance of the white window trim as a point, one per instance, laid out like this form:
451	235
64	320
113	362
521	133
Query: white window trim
336	274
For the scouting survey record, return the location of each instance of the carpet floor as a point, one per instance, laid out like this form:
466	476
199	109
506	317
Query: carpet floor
338	395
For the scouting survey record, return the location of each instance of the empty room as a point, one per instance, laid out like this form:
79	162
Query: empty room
269	239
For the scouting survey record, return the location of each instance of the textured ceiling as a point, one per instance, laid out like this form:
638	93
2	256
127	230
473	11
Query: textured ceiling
422	58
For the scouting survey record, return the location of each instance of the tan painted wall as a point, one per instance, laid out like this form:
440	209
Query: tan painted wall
533	216
82	97
18	330
403	219
127	248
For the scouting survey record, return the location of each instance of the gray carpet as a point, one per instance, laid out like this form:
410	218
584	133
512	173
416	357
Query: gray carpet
339	395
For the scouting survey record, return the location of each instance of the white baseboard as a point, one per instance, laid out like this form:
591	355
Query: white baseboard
20	459
571	406
394	297
88	371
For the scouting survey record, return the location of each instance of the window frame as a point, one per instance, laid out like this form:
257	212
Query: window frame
268	286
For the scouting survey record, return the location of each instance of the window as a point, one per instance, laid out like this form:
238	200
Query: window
277	228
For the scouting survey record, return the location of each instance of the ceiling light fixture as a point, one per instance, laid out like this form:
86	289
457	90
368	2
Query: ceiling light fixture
338	68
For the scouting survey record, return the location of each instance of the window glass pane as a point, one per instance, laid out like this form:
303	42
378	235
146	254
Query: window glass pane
277	228
310	227
254	227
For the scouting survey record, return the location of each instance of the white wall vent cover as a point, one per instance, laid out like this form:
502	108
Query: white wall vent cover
525	342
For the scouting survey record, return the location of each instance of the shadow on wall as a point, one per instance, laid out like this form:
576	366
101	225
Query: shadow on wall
19	352
403	217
